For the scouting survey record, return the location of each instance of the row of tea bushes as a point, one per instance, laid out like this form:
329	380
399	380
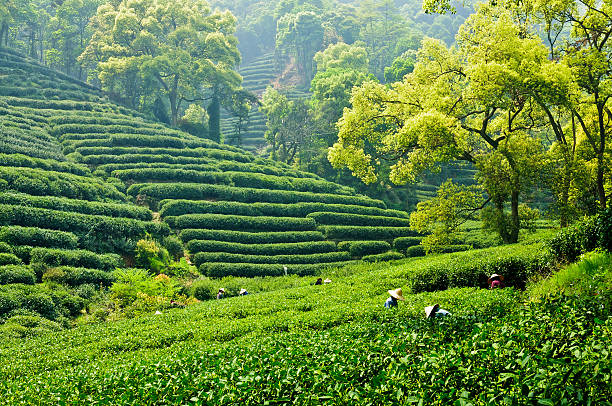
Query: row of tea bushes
517	263
241	223
75	258
77	206
349	219
50	183
34	236
78	223
26	161
361	248
327	257
223	269
181	206
243	237
177	152
361	232
17	274
239	179
195	191
314	247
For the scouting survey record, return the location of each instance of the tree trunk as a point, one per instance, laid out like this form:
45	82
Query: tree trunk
173	105
4	34
214	118
515	221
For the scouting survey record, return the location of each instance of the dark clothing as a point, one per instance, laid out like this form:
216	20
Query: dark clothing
391	302
219	295
319	282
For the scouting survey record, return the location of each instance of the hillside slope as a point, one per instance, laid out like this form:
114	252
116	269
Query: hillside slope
237	214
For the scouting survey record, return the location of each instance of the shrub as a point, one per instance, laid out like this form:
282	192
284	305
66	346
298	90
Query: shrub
359	233
17	274
454	248
202	257
23	252
77	206
24	161
195	246
346	219
17	235
180	207
569	243
246	223
76	258
402	243
180	152
361	248
195	191
472	269
151	255
51	304
174	246
9	259
415	251
50	183
251	238
385	256
218	270
79	223
71	276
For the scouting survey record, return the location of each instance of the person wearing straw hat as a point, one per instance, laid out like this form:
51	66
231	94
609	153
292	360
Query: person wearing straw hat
435	311
394	296
220	293
243	292
326	281
496	281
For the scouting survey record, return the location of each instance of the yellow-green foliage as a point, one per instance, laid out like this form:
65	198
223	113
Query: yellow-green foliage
591	276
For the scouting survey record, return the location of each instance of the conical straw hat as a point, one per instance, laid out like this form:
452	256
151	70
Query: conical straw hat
431	310
397	293
501	278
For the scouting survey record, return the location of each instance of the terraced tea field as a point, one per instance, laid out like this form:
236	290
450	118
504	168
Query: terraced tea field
75	163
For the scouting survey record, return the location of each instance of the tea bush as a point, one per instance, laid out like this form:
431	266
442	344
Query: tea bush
180	207
76	258
360	233
402	243
77	206
203	257
195	191
346	219
9	259
17	274
246	223
516	263
361	248
250	238
17	235
71	276
195	246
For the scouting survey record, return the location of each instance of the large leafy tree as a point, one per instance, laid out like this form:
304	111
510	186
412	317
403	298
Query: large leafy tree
69	34
340	67
290	126
578	34
300	34
468	103
180	50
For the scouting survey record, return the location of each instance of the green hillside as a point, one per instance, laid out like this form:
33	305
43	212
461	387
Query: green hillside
257	75
89	160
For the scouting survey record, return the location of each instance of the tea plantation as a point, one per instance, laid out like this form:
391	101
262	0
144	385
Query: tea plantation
73	165
336	344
